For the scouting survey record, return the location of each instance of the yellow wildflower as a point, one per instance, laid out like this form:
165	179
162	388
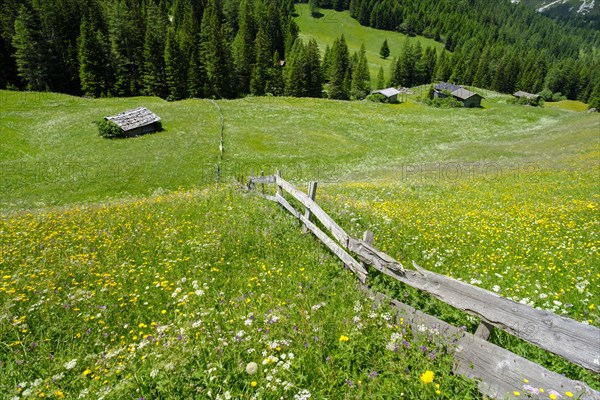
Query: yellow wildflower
427	377
344	338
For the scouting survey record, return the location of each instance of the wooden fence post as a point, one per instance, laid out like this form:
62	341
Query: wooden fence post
312	194
279	190
484	330
262	186
367	238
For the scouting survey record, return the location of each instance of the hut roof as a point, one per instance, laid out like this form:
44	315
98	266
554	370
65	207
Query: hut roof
464	94
133	119
526	95
389	92
447	86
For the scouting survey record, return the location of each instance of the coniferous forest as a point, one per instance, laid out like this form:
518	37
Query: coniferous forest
177	49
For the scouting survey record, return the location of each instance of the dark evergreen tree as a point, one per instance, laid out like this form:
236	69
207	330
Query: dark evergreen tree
384	52
261	66
215	53
30	50
312	68
380	79
126	48
275	84
176	66
154	78
243	47
94	64
339	81
295	72
313	6
361	80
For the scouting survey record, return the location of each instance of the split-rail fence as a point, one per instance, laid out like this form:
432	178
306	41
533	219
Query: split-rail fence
498	371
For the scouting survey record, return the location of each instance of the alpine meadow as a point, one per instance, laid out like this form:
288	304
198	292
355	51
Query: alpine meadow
188	190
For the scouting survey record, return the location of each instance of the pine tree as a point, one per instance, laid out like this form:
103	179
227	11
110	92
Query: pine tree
215	53
94	70
126	47
30	50
313	72
154	79
339	83
380	78
326	65
275	84
295	73
384	52
361	81
176	66
594	99
261	66
313	6
243	47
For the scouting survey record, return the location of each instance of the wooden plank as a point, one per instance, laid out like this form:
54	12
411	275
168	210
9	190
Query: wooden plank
312	194
565	337
373	256
348	260
338	233
262	179
499	371
576	342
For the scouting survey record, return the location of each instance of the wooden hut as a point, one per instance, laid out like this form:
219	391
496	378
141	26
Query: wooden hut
136	122
391	94
529	98
467	97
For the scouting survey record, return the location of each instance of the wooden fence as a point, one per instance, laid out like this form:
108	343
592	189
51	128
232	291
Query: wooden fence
499	371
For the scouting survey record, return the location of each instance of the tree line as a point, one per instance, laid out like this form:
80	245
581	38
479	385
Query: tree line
229	48
495	45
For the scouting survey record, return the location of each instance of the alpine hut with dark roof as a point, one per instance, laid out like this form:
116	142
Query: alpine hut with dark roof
467	97
136	122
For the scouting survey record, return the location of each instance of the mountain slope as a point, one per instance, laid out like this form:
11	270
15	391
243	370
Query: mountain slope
564	8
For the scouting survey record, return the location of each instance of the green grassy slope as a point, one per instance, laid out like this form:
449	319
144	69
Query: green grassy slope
505	197
335	23
51	153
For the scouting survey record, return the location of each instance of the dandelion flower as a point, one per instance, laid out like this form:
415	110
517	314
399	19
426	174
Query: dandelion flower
569	394
427	377
517	394
87	372
344	338
251	368
253	384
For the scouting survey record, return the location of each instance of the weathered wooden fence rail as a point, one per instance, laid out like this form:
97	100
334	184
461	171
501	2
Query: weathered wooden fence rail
499	371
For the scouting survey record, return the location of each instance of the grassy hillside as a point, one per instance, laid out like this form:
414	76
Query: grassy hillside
52	155
335	23
151	266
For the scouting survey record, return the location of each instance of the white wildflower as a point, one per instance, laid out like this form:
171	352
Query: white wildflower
71	364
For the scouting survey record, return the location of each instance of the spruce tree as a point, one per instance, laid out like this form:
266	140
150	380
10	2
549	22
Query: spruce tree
361	80
94	70
295	73
243	47
176	66
380	78
30	50
339	83
261	66
154	79
313	72
384	52
313	6
215	53
275	84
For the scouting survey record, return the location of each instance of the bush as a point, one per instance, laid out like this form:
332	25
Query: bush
558	97
109	129
377	98
446	102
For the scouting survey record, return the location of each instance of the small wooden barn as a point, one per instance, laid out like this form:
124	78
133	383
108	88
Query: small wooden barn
136	122
391	94
468	98
527	97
